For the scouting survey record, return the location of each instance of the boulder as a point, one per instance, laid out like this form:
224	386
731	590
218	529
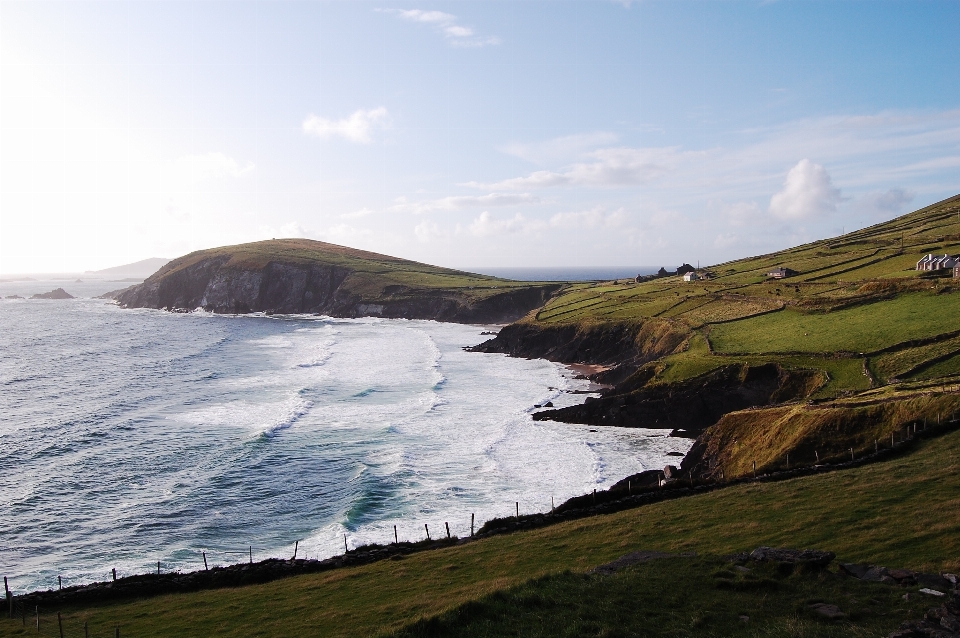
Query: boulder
671	472
827	611
811	557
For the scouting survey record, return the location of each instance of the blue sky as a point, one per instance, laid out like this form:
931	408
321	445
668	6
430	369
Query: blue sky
469	134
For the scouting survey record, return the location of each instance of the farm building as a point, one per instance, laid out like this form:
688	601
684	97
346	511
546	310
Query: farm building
780	273
690	276
936	262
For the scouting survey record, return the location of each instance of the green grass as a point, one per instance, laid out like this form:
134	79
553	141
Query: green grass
679	597
901	513
859	329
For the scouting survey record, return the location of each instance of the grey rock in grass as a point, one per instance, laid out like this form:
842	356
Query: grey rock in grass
812	557
831	612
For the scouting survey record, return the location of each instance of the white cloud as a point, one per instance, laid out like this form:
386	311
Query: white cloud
486	226
193	169
594	218
461	202
357	214
560	148
726	240
446	23
808	192
886	203
427	231
610	167
357	127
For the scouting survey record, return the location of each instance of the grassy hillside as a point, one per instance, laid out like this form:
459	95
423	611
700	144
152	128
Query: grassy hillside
901	513
371	273
856	295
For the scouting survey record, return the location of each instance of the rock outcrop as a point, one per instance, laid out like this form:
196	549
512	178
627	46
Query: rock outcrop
301	276
58	293
687	406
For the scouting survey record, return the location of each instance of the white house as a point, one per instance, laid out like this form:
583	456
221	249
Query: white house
690	276
936	262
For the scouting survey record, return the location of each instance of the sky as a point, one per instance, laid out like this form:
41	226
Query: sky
469	134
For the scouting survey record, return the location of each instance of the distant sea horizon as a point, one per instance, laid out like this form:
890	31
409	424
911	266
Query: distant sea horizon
563	273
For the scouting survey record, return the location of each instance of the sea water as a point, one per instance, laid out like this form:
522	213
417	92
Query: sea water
129	437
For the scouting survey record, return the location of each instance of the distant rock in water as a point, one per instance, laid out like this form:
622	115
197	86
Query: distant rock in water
59	293
303	276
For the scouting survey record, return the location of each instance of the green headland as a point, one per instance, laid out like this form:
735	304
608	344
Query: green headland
851	352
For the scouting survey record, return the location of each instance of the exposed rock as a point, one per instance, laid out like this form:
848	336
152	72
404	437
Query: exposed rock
939	622
634	558
690	406
58	293
811	557
827	611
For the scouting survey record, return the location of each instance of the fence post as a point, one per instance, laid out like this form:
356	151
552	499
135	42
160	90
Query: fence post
117	634
471	524
60	581
86	631
114	572
447	525
38	619
594	496
629	488
754	469
251	554
396	539
296	546
851	454
345	549
428	530
158	568
60	624
518	509
553	508
205	568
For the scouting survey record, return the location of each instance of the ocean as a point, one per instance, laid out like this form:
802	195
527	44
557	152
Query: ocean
129	437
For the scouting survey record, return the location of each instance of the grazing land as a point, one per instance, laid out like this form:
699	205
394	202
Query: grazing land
902	513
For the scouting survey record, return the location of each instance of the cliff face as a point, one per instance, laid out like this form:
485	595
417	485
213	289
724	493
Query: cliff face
689	406
219	284
624	344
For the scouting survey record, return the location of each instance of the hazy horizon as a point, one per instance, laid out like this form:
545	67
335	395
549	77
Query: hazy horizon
528	134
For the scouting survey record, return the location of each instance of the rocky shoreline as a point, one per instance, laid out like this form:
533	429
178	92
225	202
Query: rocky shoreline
640	489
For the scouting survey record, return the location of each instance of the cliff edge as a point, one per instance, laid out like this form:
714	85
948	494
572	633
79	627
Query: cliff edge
305	276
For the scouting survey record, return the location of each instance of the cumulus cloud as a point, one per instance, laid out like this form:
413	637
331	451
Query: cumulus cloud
808	192
560	148
610	167
596	217
357	127
194	169
462	202
447	24
357	214
885	203
426	231
486	225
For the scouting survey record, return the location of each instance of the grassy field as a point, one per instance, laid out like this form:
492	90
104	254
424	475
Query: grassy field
859	329
694	597
901	513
